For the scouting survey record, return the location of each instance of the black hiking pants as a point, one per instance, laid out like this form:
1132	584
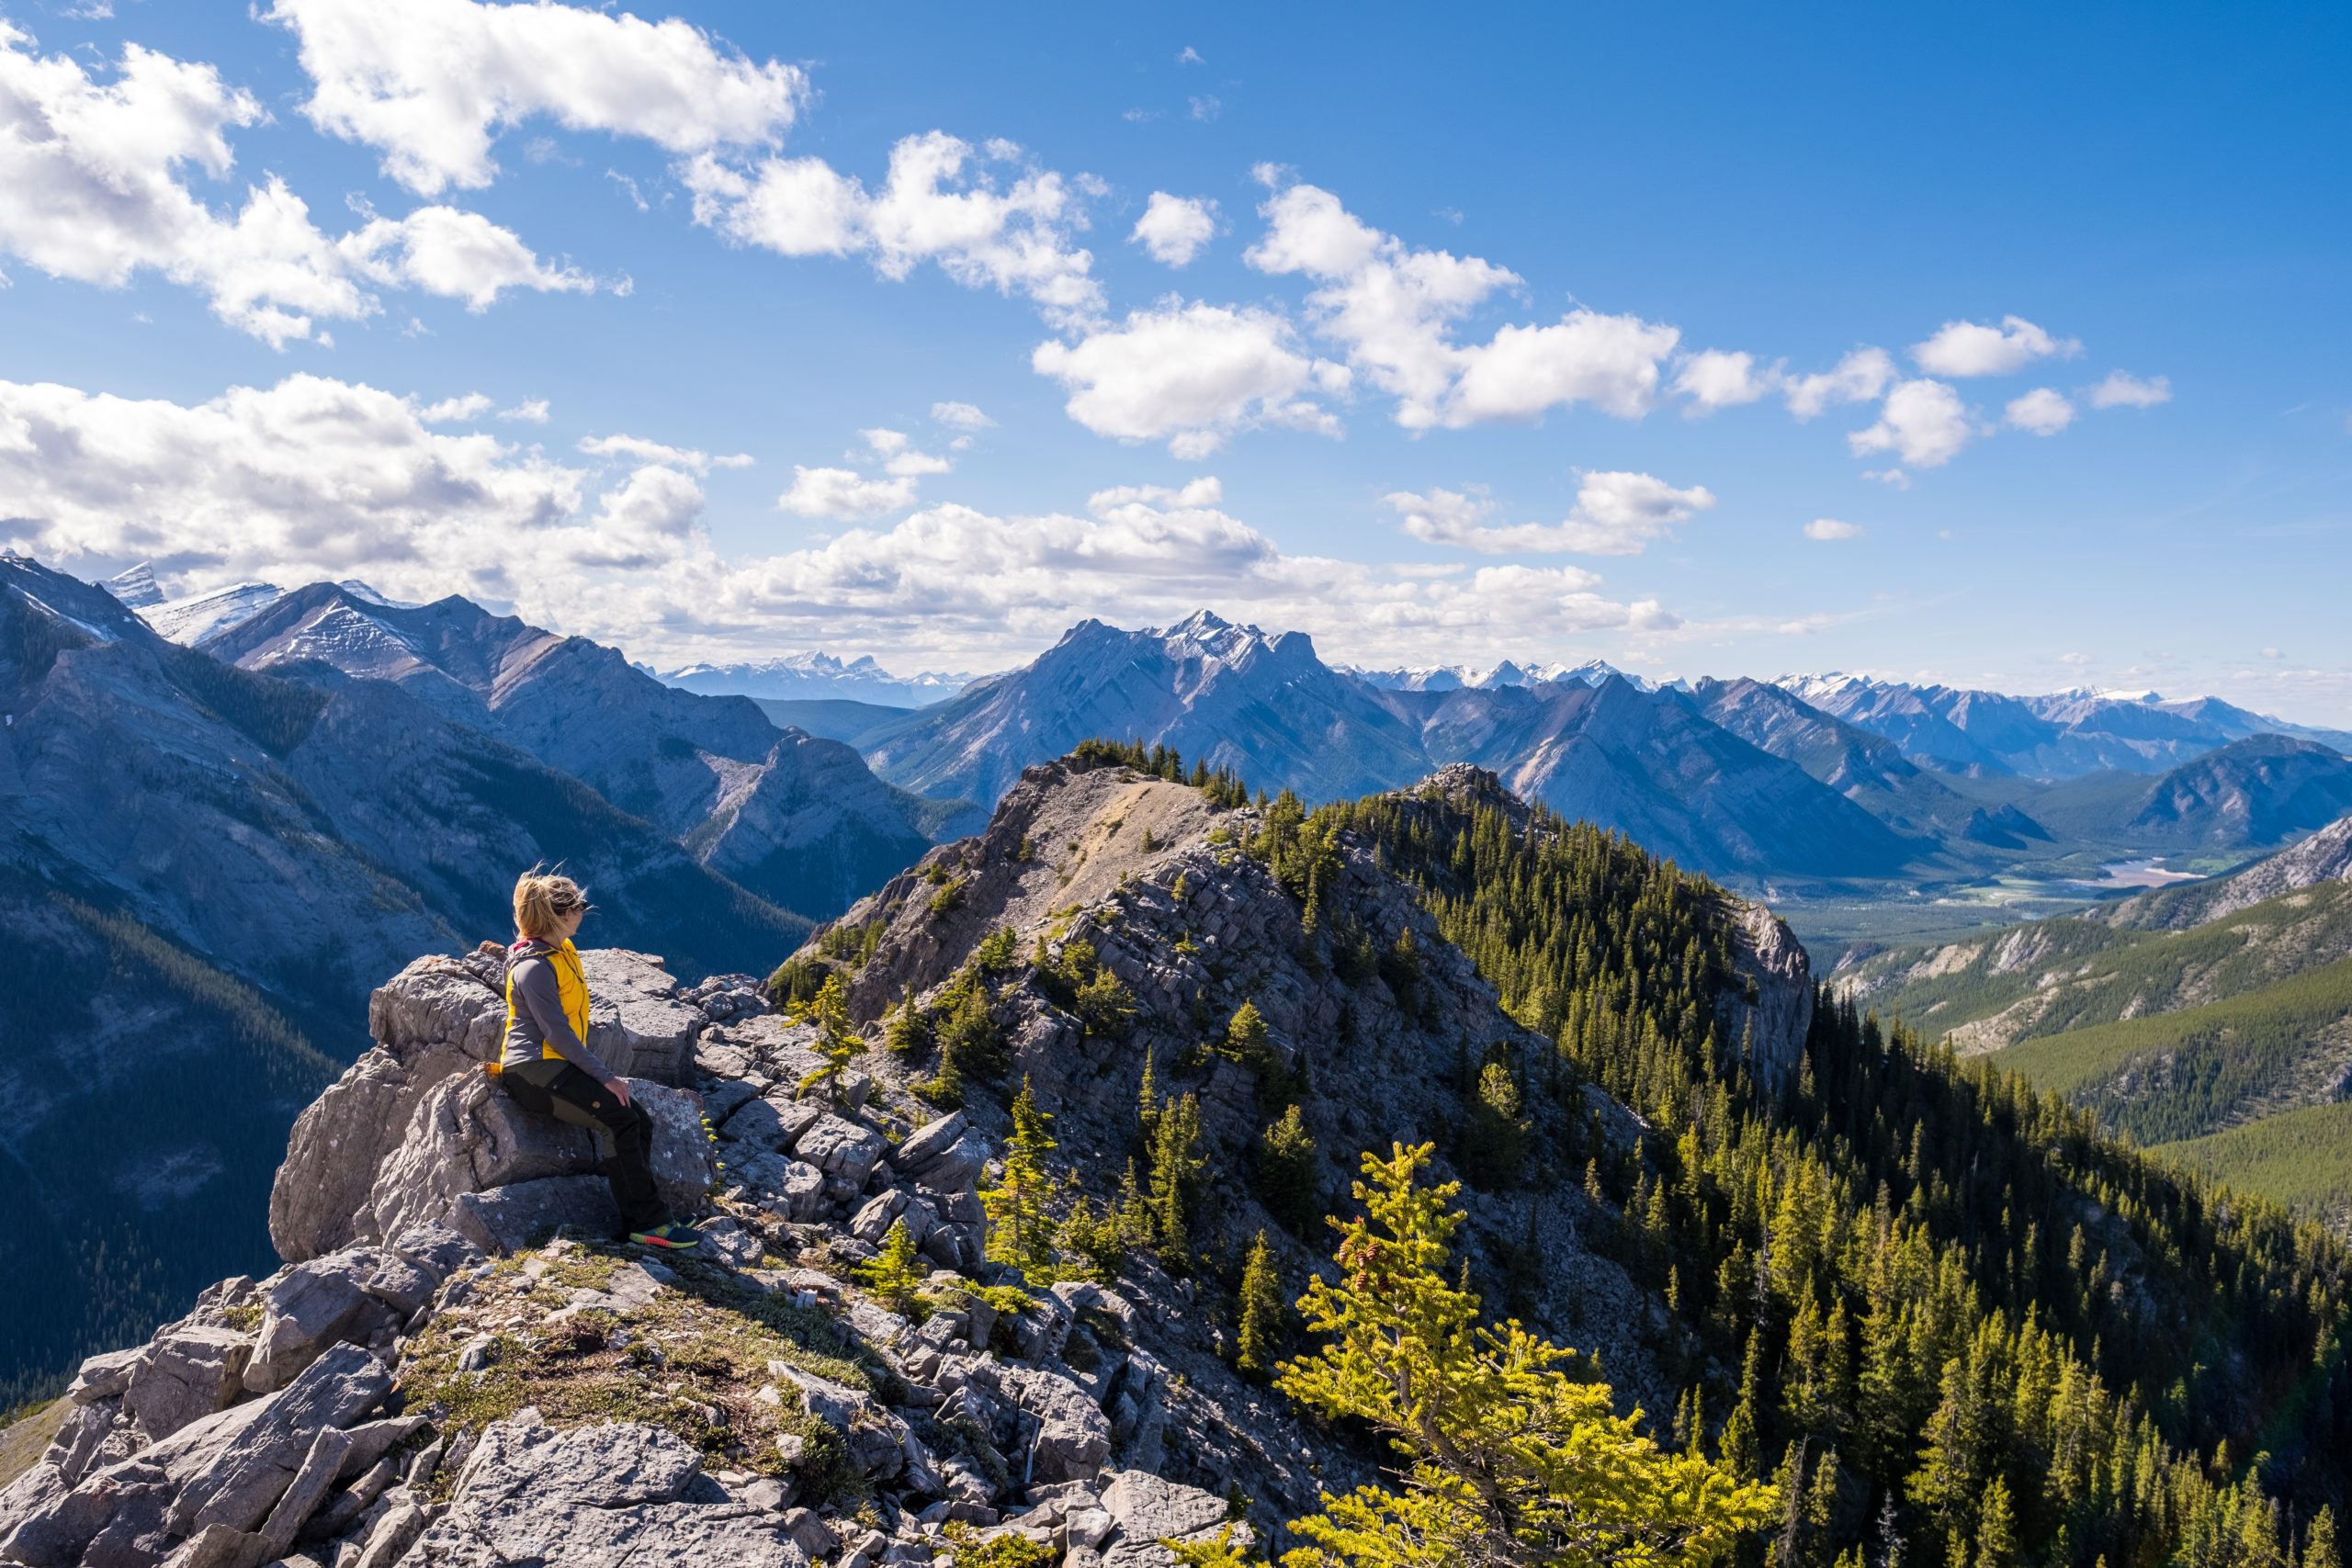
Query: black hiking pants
624	1133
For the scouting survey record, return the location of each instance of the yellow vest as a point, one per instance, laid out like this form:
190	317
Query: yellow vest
571	985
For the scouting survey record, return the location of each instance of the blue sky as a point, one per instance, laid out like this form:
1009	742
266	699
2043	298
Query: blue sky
1431	381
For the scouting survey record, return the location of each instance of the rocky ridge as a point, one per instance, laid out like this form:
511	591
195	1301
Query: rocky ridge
430	1379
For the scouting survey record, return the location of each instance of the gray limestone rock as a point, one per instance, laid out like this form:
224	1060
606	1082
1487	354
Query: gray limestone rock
468	1137
104	1377
1073	1435
437	1248
508	1219
189	1371
1149	1509
244	1479
775	1122
929	1141
434	1019
954	1169
840	1148
637	1026
311	1307
591	1497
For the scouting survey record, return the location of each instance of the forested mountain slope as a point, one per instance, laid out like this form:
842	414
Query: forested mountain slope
1937	1303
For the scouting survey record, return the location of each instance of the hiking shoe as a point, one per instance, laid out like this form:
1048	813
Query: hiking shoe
673	1236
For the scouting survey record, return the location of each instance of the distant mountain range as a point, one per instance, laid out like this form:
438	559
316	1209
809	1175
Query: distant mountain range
1746	779
804	677
2064	735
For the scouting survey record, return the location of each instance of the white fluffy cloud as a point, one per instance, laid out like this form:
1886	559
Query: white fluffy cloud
2123	390
430	83
1192	375
637	449
1713	380
92	188
472	406
1971	348
1861	377
940	203
1616	513
1393	309
961	416
2042	410
1175	229
1828	528
845	492
314	478
1922	421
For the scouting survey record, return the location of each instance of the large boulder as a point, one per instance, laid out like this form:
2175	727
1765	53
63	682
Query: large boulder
636	1024
470	1137
595	1496
430	1022
190	1370
508	1219
311	1306
1073	1435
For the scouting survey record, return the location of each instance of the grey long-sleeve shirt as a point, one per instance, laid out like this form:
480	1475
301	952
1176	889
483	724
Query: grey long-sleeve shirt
538	1015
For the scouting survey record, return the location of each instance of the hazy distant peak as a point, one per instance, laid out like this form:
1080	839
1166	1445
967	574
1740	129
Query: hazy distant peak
135	587
190	620
1472	677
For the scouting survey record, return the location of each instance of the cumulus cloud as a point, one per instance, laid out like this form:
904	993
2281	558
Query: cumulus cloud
961	416
1616	513
92	189
1192	375
430	83
473	405
940	203
315	478
1827	528
1971	348
1175	229
2123	390
1922	421
532	411
1393	309
2042	410
1861	377
1713	380
845	492
639	449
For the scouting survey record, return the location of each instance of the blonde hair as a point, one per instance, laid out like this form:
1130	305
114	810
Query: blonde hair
542	900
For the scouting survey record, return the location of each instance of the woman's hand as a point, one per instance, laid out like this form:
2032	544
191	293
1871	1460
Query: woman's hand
618	1090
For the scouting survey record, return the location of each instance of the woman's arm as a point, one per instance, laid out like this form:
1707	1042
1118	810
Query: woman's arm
535	982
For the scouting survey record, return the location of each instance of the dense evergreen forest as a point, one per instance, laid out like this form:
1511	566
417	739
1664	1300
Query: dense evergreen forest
1972	1330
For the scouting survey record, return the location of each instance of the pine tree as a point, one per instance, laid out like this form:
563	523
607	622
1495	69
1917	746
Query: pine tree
1497	1147
1743	1441
837	1038
1262	1309
1176	1165
1020	1229
1289	1171
2319	1543
1134	1212
1512	1461
907	1032
1148	1102
895	1276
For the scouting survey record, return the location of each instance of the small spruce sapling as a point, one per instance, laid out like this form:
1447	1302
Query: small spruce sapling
1262	1311
837	1038
895	1276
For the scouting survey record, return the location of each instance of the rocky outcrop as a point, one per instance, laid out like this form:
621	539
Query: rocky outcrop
414	1124
1770	1011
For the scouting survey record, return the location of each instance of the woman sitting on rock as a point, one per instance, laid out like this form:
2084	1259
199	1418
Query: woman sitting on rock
548	1069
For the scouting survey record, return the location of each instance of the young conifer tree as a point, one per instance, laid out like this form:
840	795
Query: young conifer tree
1020	1229
895	1276
1512	1461
838	1040
1262	1311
